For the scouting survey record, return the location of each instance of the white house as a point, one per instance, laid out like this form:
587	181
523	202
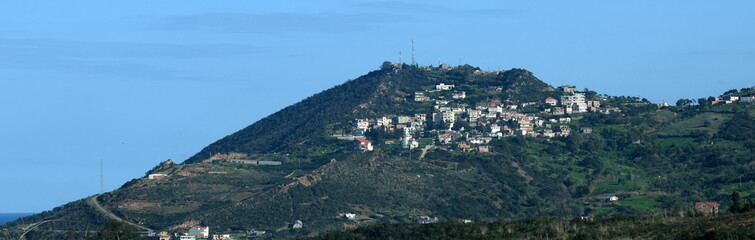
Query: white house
409	142
443	86
473	114
551	101
403	119
382	121
459	95
572	99
494	128
362	124
495	109
200	231
362	144
221	236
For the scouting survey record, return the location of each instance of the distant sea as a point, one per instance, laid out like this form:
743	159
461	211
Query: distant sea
8	217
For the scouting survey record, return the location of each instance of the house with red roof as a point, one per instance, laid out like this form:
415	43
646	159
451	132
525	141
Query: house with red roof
707	208
362	144
551	101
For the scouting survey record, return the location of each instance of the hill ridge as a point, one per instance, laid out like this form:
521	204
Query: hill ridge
560	164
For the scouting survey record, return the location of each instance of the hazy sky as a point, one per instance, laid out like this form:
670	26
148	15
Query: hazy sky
133	83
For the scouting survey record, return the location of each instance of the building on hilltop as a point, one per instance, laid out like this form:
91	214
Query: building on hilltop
568	89
156	176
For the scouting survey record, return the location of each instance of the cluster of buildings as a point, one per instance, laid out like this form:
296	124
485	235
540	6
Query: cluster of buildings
195	233
198	233
484	122
732	99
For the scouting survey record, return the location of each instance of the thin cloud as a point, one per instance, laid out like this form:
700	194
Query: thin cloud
280	23
120	50
143	60
418	7
397	5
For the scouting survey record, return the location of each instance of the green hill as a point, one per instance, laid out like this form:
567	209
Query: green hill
489	148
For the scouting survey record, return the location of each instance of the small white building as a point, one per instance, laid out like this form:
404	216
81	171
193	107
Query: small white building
408	142
496	109
155	176
459	95
220	236
572	99
494	128
362	124
403	119
551	101
362	144
350	216
200	231
443	86
297	224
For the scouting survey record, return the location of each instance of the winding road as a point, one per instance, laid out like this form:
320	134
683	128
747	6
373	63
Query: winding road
94	203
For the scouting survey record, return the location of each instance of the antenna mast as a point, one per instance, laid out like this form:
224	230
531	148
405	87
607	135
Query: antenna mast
102	177
400	58
413	62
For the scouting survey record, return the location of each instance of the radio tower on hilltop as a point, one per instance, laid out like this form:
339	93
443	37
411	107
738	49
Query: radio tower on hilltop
414	63
102	177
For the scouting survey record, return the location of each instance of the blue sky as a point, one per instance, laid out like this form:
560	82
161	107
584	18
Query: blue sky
133	83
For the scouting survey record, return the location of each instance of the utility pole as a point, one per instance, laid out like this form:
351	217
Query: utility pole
102	177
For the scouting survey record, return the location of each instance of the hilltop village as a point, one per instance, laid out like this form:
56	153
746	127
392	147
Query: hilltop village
457	125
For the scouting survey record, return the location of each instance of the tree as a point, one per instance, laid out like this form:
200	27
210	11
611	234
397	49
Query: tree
702	102
730	92
386	65
683	102
115	230
736	203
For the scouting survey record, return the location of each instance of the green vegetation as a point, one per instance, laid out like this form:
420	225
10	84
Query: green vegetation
642	227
